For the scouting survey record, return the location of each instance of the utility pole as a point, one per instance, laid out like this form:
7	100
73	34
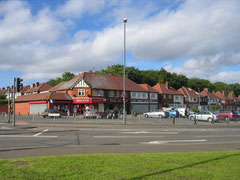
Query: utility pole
14	82
9	104
124	72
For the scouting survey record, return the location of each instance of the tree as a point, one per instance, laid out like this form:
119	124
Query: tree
67	76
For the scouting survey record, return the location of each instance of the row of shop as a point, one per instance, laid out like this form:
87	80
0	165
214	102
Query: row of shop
79	105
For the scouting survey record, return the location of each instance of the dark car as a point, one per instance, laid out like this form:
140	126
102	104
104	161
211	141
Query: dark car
50	113
109	114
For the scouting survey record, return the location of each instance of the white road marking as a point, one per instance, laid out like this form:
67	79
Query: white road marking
145	132
173	141
127	136
38	134
222	136
26	136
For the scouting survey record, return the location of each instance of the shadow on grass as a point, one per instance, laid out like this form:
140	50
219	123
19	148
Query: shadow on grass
186	166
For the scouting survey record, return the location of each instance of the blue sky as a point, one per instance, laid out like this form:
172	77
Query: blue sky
40	40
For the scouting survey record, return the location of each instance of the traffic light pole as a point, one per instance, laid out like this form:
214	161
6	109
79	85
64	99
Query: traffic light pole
14	82
9	108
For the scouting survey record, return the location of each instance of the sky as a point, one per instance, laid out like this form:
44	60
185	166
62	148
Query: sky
40	40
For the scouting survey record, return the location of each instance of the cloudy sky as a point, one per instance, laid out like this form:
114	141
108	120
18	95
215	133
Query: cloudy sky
40	40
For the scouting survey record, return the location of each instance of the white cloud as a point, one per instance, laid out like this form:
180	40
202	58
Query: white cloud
205	32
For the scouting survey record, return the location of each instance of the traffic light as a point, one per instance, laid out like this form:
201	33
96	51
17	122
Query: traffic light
19	84
10	108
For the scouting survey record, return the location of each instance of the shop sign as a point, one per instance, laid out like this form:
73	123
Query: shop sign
89	101
81	101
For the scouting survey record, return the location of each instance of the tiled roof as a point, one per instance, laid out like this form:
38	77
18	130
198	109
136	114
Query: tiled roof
43	96
148	88
232	96
188	92
206	92
25	88
39	88
56	87
165	89
101	81
221	95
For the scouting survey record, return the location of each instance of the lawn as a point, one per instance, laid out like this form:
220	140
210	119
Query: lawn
202	165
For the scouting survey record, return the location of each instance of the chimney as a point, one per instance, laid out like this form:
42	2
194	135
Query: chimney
167	85
3	88
33	85
90	71
8	87
37	84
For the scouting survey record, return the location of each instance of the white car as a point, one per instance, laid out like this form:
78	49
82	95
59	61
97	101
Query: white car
156	114
204	116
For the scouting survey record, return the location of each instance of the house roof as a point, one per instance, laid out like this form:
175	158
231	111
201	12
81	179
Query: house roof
232	96
43	96
101	81
25	88
206	92
56	87
166	89
39	88
221	95
188	92
148	88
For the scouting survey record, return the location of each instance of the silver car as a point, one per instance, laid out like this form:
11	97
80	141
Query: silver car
204	116
90	113
156	114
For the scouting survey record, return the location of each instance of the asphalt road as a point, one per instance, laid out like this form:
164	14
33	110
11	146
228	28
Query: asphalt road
60	139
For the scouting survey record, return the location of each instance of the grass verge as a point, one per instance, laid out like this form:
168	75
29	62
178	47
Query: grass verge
202	165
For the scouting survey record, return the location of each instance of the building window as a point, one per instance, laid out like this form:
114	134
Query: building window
176	97
118	94
153	95
133	95
169	96
81	92
111	93
164	96
96	92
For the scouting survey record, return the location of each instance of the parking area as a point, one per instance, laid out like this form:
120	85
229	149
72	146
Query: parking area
130	119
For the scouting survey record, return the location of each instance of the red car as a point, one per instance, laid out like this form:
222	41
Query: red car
224	114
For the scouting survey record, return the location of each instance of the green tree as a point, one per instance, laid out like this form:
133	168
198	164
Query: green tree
67	76
217	107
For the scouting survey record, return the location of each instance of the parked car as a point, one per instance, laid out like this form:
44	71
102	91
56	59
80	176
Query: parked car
204	116
109	114
224	114
156	114
50	113
173	113
90	113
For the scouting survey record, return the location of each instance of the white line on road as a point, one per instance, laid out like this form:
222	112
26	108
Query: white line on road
38	134
127	136
173	141
146	132
222	136
26	136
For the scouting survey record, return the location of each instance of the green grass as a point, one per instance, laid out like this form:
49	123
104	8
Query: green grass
203	165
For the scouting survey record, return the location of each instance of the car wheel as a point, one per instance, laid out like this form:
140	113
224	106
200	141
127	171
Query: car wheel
210	119
192	118
160	116
146	116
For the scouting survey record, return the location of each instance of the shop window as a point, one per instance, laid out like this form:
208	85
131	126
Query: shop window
118	94
100	93
81	92
111	94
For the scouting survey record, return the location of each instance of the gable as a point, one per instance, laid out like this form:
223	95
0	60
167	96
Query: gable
81	83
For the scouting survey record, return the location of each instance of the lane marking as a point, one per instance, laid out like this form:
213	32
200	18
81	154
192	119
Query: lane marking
127	136
145	132
173	141
26	136
220	136
38	134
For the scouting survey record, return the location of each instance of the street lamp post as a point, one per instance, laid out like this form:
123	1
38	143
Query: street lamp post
124	72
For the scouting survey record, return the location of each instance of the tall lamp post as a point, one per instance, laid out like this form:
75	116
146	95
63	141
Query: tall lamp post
124	72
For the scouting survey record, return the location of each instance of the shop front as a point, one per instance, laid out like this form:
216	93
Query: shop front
81	104
65	107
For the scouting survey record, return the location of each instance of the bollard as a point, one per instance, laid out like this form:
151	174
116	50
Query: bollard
54	119
33	118
174	121
212	120
228	120
195	120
